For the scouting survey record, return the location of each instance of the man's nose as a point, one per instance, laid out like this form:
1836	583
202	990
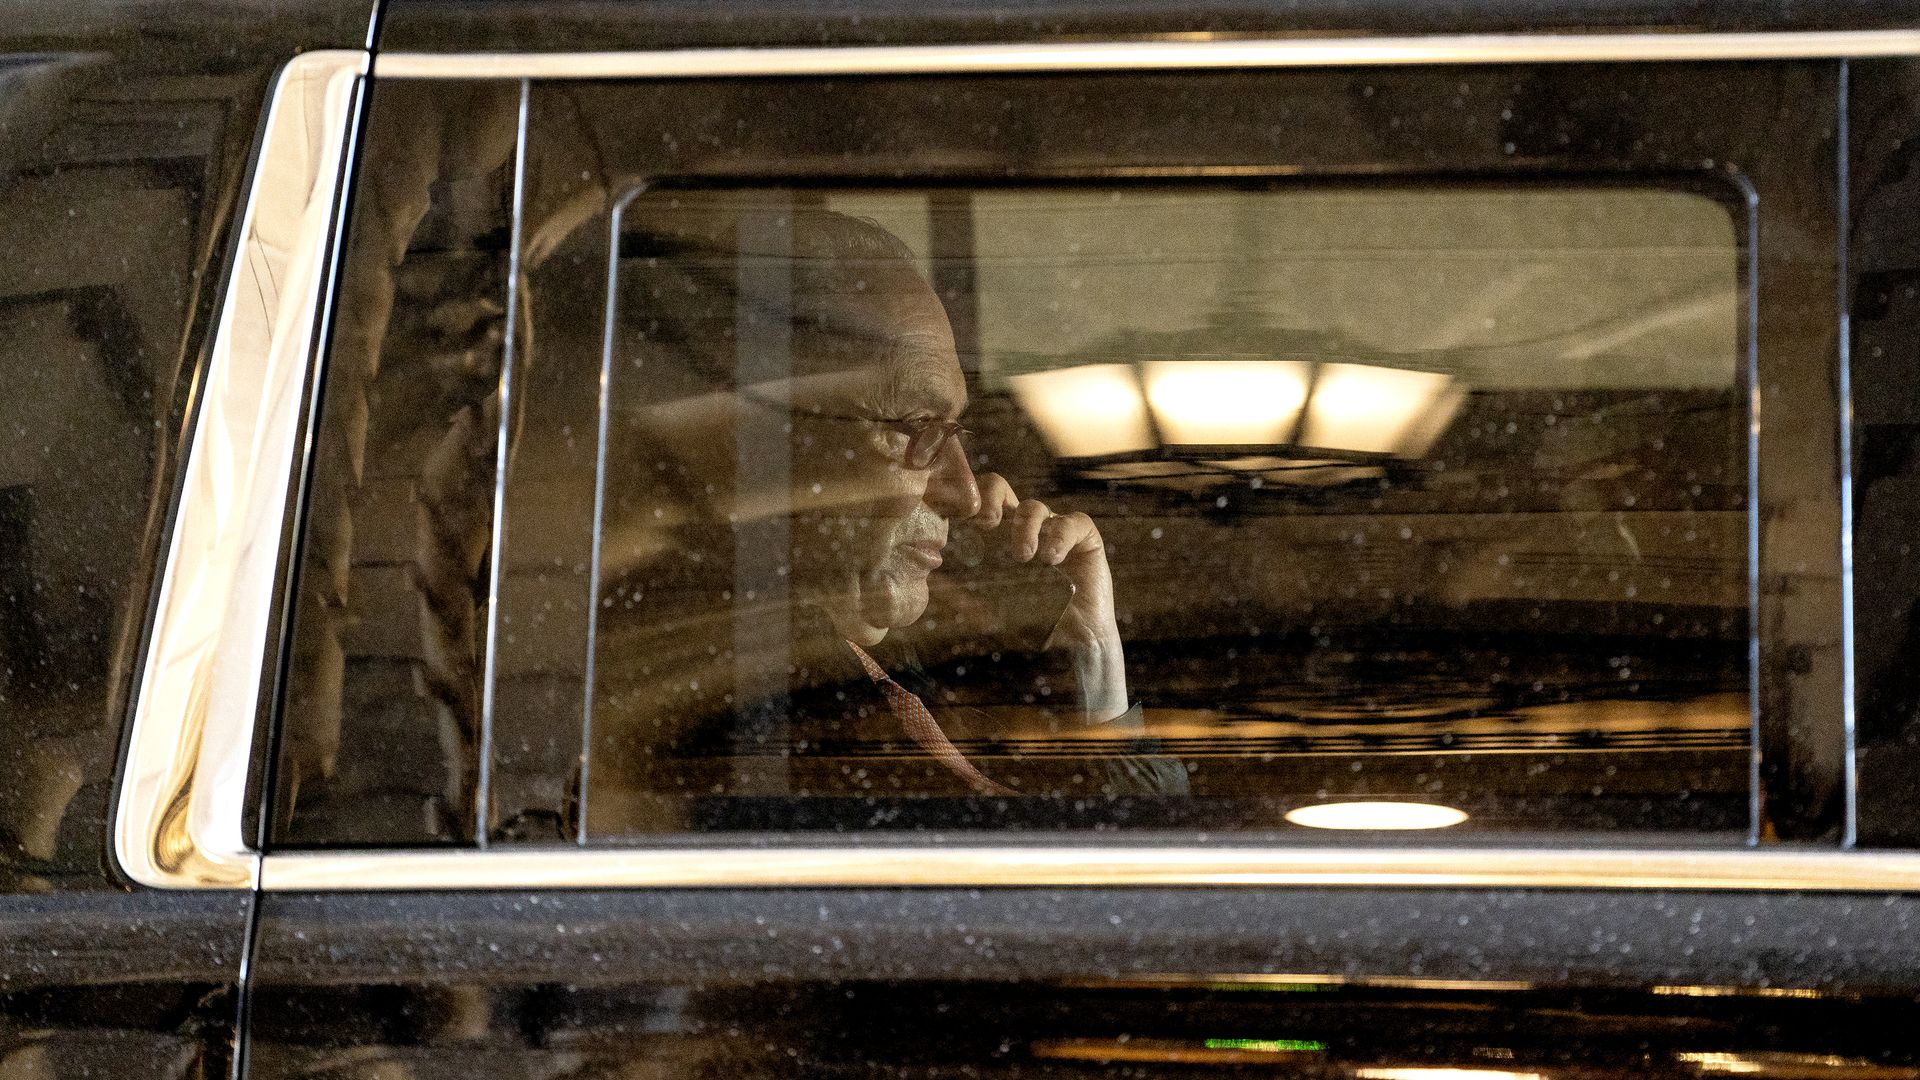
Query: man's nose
952	492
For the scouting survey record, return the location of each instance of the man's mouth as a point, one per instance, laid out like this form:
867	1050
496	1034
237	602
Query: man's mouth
926	553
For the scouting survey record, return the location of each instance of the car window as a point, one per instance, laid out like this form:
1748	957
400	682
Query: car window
1431	494
678	476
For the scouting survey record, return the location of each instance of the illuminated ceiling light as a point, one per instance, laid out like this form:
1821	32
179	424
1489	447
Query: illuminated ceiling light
1376	815
1418	1073
1087	411
1361	408
1191	424
1226	402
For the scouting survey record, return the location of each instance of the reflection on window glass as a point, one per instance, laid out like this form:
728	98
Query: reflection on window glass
1157	505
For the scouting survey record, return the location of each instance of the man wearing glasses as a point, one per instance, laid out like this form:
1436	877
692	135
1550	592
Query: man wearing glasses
863	416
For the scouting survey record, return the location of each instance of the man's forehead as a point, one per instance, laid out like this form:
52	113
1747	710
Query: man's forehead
912	377
924	374
905	363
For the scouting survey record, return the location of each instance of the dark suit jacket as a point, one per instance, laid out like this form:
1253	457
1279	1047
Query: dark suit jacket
1013	716
789	734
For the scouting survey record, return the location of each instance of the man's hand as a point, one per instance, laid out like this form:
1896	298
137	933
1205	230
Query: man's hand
1086	629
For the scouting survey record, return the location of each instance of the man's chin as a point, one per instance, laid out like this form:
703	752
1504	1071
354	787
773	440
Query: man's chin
898	606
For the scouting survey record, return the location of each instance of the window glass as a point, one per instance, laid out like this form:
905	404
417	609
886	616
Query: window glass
1167	504
923	456
385	671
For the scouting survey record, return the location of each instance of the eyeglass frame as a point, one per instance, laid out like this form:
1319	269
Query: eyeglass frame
915	429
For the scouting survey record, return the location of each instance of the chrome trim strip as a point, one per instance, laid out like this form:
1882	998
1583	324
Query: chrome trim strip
502	459
1135	55
183	795
1843	305
743	867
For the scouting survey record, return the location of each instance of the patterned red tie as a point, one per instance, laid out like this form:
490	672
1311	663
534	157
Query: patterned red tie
923	729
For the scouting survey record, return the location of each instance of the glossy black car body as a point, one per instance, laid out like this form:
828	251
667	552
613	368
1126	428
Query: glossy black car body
129	133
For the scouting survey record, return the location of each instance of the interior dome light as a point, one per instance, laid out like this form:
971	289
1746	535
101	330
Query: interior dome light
1376	815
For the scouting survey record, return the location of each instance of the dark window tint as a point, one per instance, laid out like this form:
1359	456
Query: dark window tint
1423	493
389	623
698	458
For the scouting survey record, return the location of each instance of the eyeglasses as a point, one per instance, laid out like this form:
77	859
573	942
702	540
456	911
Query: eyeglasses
926	437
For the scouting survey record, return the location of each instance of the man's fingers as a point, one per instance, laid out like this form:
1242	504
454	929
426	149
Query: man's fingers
1033	532
1065	535
996	498
1023	529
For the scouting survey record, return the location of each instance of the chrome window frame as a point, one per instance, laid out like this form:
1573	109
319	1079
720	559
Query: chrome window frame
183	796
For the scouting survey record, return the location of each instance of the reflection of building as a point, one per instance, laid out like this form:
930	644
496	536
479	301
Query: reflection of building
112	194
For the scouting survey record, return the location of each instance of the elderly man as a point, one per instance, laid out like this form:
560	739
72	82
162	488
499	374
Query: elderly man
860	478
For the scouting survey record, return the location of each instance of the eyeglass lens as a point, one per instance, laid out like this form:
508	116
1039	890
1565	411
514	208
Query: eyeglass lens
925	444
